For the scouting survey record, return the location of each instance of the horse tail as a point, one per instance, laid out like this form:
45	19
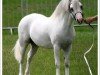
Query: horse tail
17	51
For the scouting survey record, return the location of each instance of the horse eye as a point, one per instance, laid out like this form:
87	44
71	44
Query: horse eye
71	9
81	7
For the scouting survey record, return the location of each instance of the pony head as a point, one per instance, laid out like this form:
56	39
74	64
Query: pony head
75	8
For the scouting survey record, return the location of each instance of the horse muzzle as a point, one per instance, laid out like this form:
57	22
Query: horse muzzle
79	17
80	20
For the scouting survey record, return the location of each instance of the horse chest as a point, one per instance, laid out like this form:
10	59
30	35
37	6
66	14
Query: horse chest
62	37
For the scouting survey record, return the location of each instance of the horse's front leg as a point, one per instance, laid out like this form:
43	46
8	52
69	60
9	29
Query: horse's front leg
57	59
66	55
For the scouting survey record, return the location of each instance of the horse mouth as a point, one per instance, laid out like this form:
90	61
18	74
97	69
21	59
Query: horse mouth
79	20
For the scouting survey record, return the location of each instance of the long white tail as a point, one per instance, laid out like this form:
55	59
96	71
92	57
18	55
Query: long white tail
17	51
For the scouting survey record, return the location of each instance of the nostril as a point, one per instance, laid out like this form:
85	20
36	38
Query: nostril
80	19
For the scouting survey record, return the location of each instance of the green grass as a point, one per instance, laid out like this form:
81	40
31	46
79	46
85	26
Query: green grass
12	12
43	61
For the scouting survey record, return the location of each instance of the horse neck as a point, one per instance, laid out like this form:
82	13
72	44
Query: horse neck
62	13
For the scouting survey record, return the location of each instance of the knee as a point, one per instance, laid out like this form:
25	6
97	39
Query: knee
67	63
30	53
57	65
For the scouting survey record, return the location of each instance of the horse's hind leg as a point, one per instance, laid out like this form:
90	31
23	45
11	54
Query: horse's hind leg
19	51
29	57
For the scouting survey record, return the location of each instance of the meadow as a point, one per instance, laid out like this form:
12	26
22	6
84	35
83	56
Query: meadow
43	61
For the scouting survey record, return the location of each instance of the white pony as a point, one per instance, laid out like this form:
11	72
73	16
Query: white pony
54	32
